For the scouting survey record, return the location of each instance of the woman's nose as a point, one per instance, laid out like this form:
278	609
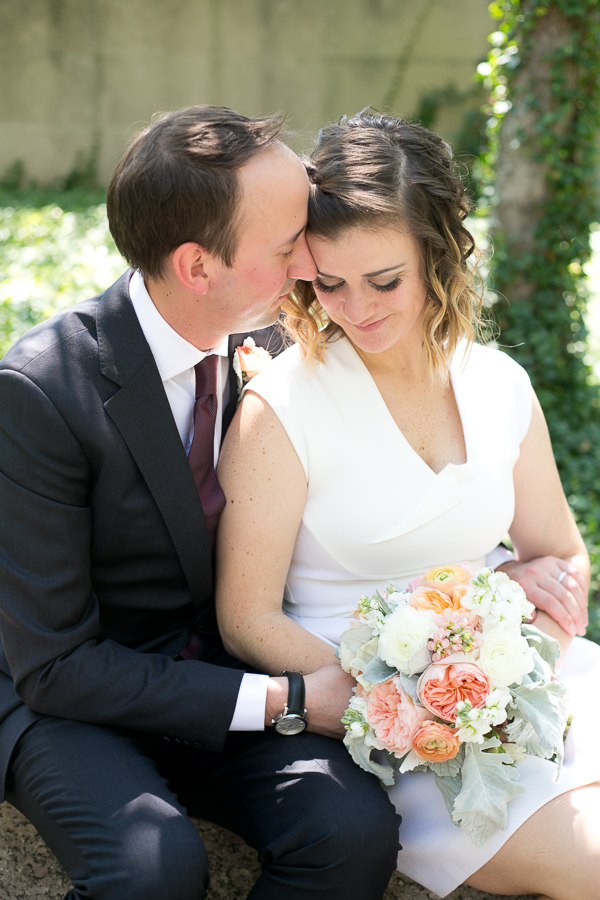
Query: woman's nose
355	308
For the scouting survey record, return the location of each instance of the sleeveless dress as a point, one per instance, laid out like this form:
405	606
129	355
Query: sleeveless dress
376	512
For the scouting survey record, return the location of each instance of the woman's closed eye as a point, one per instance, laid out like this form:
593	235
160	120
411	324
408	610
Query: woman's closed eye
326	288
382	288
390	286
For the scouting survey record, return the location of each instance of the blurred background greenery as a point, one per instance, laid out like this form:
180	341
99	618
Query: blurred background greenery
513	86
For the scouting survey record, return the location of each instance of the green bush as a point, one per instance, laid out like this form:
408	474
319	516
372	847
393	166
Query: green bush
55	249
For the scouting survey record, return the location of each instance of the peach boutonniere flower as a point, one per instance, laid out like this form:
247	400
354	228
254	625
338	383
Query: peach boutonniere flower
248	361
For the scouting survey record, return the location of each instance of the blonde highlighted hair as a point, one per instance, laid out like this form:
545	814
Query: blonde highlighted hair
374	171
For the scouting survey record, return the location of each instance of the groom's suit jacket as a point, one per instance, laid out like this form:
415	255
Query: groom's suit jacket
105	561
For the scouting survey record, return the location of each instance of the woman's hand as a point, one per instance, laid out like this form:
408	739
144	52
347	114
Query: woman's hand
545	536
566	601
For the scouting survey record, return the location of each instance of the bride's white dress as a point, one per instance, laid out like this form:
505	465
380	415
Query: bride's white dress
376	512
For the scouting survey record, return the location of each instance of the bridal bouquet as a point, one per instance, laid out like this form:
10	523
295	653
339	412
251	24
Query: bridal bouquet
451	679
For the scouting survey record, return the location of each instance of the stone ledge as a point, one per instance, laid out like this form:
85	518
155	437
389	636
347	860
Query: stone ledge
29	871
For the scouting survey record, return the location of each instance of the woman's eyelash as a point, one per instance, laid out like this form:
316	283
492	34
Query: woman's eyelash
384	288
326	288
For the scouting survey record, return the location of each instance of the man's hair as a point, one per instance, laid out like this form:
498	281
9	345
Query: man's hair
178	182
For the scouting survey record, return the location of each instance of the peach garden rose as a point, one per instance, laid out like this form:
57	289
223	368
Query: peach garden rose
445	684
393	716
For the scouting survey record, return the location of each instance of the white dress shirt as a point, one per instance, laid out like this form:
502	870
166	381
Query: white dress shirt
175	359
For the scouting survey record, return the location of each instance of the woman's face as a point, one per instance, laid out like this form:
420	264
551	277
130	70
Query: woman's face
370	283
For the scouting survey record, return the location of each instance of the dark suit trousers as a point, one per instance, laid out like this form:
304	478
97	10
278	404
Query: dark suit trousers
114	806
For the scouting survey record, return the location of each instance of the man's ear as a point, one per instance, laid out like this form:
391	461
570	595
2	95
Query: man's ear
192	266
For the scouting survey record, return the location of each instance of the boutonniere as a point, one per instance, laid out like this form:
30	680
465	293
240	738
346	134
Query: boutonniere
248	361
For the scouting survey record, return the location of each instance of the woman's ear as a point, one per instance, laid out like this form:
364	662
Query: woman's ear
192	267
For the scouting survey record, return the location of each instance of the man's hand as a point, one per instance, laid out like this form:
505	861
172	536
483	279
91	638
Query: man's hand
328	691
565	600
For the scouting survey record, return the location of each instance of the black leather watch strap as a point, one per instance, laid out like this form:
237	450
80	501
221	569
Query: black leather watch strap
295	701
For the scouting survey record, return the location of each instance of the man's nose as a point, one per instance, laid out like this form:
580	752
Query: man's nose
302	265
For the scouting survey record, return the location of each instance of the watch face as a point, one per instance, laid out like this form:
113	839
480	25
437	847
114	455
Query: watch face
290	724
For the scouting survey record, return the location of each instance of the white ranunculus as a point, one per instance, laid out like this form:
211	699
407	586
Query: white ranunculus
505	656
405	631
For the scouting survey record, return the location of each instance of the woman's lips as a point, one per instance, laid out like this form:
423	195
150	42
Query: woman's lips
372	326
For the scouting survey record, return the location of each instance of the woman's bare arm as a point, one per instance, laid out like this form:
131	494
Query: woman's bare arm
265	487
546	538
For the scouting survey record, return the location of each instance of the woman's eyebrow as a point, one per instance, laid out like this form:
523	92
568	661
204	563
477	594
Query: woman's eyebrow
383	271
367	274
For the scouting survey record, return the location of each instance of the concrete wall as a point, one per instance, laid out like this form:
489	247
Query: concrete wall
79	75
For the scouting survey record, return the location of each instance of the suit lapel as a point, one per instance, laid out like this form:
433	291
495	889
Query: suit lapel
141	412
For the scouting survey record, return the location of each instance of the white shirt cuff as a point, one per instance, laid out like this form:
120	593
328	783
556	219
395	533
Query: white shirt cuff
499	555
249	712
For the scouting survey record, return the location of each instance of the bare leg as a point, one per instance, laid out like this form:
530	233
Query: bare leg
556	851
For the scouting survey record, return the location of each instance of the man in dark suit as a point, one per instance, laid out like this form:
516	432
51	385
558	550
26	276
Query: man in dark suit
120	712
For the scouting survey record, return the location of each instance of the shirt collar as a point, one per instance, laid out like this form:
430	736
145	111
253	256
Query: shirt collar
172	353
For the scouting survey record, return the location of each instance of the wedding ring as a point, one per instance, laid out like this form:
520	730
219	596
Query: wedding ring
560	577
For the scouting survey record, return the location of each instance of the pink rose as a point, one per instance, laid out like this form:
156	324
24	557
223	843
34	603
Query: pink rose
444	684
393	716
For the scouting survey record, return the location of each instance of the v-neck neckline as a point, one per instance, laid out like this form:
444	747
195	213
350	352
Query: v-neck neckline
453	375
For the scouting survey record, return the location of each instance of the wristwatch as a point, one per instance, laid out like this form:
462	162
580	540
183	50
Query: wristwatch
293	718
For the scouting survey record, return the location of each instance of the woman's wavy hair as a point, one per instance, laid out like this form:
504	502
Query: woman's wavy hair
375	171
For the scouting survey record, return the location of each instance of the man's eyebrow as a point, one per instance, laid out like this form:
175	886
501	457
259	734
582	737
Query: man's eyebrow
367	274
294	239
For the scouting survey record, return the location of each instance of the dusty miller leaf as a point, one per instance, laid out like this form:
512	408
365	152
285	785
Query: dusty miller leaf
409	686
488	785
383	603
361	754
540	720
377	671
450	788
451	767
356	636
548	647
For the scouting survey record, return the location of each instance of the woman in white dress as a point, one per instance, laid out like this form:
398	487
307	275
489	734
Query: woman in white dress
386	442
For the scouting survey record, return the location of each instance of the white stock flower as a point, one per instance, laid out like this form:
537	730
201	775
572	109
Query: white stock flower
474	722
517	752
496	703
395	598
505	656
357	703
496	598
404	631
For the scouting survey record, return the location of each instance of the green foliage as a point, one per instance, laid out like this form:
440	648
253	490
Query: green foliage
55	249
546	331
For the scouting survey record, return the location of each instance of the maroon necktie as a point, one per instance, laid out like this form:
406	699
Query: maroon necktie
202	451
